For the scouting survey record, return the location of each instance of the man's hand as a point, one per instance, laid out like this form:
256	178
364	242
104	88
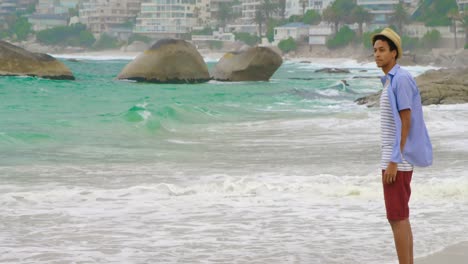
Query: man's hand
390	174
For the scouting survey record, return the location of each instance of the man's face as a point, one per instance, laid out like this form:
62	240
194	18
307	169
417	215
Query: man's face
382	54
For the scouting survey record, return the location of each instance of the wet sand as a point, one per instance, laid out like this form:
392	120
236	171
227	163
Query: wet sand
455	254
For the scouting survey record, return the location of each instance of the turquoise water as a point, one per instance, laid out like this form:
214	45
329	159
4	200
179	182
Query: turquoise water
97	110
104	171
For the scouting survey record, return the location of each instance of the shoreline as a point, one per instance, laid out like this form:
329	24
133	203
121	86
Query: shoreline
97	55
453	254
446	58
207	55
341	62
118	54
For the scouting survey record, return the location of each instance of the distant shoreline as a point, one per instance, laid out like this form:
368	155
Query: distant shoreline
448	58
208	56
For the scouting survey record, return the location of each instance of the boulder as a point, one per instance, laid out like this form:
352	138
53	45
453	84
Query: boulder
167	61
253	64
17	61
446	86
372	100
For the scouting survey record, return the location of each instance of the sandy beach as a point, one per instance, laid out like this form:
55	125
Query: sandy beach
455	254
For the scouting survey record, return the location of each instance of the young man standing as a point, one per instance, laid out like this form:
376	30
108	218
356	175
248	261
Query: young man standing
404	139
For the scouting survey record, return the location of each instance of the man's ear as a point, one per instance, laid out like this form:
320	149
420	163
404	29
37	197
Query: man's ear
394	53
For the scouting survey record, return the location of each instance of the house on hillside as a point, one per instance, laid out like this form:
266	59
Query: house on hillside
45	21
382	10
297	31
160	19
319	34
102	15
462	4
296	7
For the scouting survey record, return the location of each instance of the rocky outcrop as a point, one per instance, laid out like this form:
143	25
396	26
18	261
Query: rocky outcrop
253	64
16	61
168	61
447	86
372	100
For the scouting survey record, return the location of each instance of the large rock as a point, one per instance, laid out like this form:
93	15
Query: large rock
253	64
447	86
372	100
16	61
168	61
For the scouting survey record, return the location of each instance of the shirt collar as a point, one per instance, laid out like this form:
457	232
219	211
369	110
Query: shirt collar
390	74
393	71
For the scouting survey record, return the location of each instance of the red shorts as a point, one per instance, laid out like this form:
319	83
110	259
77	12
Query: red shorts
397	196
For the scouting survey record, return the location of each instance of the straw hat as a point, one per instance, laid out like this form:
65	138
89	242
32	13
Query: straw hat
393	36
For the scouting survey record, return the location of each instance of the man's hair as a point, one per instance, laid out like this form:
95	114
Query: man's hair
390	43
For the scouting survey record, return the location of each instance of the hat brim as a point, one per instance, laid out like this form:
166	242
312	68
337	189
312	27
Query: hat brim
400	50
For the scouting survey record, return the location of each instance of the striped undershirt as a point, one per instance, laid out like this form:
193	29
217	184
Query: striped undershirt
388	131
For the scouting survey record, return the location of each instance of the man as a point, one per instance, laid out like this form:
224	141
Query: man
405	141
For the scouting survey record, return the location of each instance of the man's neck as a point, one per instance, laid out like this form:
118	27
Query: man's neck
388	67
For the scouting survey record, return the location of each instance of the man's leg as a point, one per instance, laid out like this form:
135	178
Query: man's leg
411	243
403	237
397	196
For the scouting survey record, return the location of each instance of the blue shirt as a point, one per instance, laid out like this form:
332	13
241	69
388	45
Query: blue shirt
403	93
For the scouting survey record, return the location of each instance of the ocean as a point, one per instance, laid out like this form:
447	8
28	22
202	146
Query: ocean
105	171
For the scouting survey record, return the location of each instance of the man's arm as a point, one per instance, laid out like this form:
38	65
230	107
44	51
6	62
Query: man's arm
391	171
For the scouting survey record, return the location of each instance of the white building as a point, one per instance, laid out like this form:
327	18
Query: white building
101	15
215	7
380	9
202	12
248	10
246	27
45	21
295	7
55	6
418	30
221	36
25	4
319	34
246	22
166	18
297	31
462	4
7	7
